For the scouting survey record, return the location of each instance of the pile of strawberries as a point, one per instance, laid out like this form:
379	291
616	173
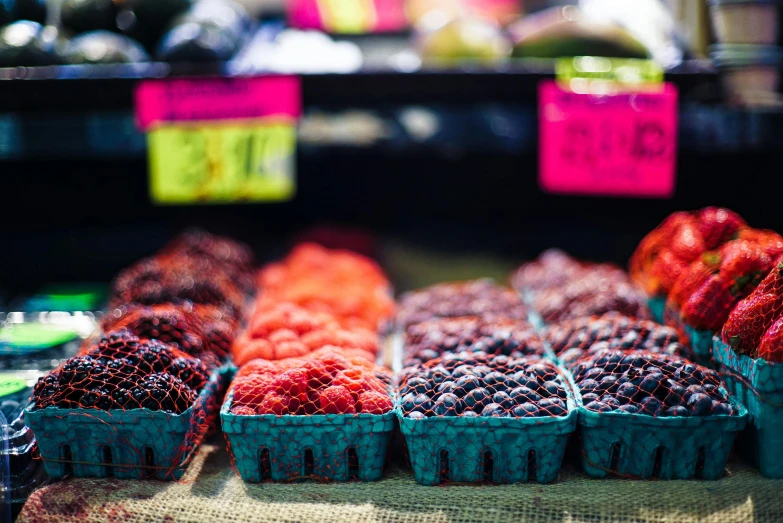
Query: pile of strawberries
174	318
327	381
312	340
706	263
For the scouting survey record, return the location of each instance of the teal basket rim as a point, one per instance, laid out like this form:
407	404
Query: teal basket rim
717	342
589	418
301	420
572	410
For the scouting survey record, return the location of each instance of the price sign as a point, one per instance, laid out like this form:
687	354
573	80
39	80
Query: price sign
220	140
622	144
348	16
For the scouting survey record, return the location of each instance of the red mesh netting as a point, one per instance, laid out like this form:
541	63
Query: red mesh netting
755	326
453	300
706	293
552	269
122	371
432	339
327	381
665	253
285	330
348	286
652	384
471	385
570	339
201	331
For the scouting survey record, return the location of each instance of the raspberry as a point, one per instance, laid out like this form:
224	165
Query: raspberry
374	403
337	400
277	404
241	410
292	383
257	366
318	375
250	390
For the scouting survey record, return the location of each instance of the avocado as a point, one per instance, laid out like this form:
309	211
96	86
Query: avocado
81	16
563	32
33	10
104	47
147	20
25	43
464	39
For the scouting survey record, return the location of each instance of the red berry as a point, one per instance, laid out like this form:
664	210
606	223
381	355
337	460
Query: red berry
374	403
242	410
337	400
276	404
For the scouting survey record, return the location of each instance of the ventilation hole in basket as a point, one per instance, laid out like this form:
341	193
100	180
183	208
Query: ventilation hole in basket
702	456
614	458
353	464
489	467
531	466
264	464
108	470
444	466
658	463
149	462
309	464
67	457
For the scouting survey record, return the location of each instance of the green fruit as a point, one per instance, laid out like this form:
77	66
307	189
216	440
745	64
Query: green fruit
464	39
88	15
104	47
23	44
553	34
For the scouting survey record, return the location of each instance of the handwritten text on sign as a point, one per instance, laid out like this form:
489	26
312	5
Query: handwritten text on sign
214	140
614	145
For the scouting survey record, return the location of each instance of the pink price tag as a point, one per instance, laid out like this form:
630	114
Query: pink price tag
207	99
611	145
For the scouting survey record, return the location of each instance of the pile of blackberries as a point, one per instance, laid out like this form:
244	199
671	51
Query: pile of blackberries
454	300
573	338
122	371
475	384
431	339
652	384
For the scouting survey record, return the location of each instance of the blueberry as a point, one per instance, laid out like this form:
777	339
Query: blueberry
553	406
676	394
500	361
524	394
503	399
650	406
630	409
462	370
720	409
633	360
651	382
495	379
710	389
466	384
468	414
418	385
481	371
611	401
438	375
587	386
589	397
597	406
685	374
699	404
677	411
494	410
526	410
408	402
477	399
555	389
524	380
542	371
626	392
447	405
608	383
416	415
422	403
694	389
447	386
593	373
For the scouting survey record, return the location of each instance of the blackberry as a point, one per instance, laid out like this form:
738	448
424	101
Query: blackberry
162	391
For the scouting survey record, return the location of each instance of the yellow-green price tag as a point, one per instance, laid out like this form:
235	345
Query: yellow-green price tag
347	16
222	162
597	73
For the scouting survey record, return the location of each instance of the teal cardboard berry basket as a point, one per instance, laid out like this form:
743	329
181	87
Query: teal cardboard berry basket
488	449
657	305
643	446
131	444
758	384
327	447
701	345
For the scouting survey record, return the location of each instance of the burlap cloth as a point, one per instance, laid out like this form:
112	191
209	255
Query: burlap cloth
212	492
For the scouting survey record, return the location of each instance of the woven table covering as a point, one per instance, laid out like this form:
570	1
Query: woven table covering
212	492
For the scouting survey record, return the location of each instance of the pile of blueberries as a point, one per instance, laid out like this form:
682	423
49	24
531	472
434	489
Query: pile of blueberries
478	384
652	384
431	339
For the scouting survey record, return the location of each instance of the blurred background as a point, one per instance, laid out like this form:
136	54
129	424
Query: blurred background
419	136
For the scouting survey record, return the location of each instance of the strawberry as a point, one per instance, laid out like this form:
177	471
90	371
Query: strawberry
718	225
770	241
771	346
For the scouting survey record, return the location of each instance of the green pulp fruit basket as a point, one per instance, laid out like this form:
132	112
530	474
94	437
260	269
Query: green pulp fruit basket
488	449
643	446
701	345
332	447
758	384
131	444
